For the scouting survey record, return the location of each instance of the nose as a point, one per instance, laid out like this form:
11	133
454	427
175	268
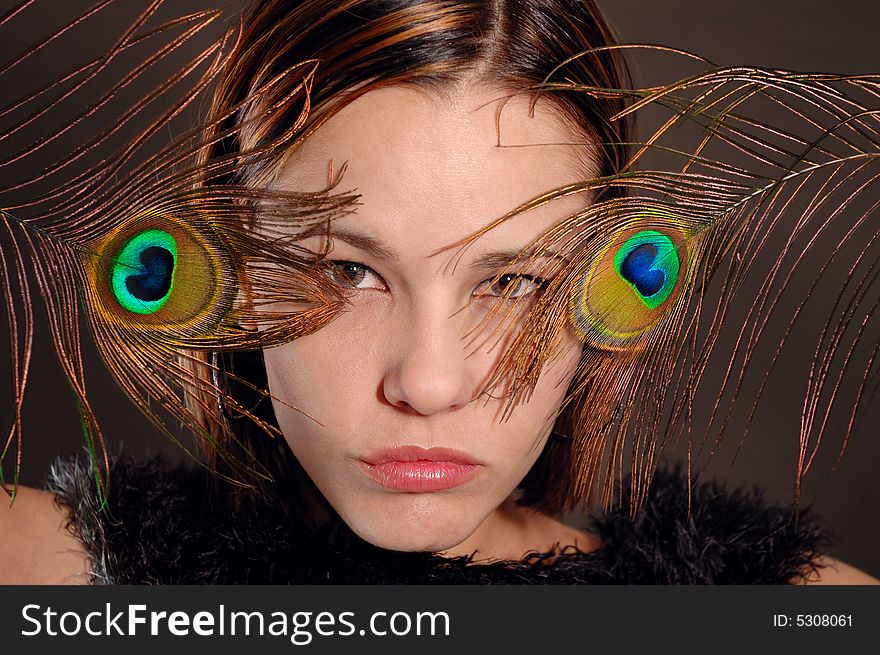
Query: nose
428	372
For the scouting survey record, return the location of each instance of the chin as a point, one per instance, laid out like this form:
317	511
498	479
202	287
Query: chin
420	527
409	541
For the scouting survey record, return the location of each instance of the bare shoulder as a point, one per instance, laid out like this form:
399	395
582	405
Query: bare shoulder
37	548
835	572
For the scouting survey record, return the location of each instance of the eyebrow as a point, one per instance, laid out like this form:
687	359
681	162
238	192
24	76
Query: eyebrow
489	260
500	258
361	241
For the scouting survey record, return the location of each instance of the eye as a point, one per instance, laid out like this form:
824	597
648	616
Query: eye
511	286
632	286
354	275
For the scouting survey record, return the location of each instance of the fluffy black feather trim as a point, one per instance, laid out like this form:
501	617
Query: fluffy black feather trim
161	527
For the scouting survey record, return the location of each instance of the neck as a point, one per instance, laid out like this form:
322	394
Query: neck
511	532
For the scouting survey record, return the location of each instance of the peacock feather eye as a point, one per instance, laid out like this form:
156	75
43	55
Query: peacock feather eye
166	275
648	262
630	285
142	274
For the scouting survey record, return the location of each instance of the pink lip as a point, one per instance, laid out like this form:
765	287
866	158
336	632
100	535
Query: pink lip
416	469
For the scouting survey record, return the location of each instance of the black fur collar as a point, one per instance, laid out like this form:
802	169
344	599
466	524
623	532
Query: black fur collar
161	528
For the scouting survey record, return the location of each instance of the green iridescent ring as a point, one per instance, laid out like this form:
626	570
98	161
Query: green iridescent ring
142	275
648	262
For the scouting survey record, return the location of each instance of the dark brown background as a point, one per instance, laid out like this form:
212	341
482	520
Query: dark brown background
839	36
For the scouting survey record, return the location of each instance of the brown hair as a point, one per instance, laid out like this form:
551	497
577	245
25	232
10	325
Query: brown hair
360	45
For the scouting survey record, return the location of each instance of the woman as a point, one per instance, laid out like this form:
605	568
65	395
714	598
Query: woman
431	381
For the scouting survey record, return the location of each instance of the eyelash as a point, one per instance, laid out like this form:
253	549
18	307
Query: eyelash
533	282
348	279
335	272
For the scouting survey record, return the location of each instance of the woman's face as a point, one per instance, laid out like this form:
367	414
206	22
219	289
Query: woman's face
392	377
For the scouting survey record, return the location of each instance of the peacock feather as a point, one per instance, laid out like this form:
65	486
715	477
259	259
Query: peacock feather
145	247
719	201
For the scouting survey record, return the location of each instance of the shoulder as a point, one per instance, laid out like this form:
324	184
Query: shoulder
37	547
830	571
153	516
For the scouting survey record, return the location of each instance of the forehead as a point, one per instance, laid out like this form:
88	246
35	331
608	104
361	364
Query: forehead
430	166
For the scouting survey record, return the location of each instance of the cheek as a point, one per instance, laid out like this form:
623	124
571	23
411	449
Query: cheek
563	370
554	381
323	388
315	391
522	437
318	373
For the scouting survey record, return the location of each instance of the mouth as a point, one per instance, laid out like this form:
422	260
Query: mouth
414	469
